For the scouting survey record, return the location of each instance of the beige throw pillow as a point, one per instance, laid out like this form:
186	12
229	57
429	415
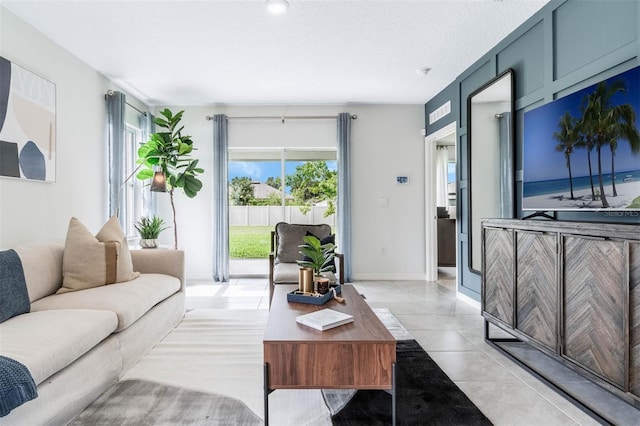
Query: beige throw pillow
90	261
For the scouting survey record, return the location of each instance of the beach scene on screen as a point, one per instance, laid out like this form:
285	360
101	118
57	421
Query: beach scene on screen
582	151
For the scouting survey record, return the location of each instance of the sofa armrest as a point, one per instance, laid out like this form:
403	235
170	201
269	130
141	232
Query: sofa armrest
160	261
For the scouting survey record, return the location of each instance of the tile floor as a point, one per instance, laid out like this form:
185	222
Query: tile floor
449	329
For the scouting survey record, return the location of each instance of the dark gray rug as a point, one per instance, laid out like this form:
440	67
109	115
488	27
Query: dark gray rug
425	396
140	402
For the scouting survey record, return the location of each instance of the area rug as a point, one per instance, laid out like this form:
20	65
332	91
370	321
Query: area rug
425	396
141	402
209	371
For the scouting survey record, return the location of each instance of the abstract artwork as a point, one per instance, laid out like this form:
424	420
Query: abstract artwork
27	124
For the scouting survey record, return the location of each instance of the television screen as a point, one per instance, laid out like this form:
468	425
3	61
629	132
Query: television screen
582	151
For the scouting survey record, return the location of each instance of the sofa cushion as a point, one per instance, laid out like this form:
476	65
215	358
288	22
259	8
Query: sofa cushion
95	261
290	236
14	298
42	265
288	273
46	342
129	300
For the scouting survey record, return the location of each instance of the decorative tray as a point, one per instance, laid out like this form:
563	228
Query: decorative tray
296	296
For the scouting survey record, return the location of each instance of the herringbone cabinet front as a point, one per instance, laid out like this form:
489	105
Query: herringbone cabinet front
570	289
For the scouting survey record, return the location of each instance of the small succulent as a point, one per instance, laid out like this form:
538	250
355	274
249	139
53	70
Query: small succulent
150	228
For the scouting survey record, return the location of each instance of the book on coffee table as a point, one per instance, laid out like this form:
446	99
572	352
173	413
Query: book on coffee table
324	319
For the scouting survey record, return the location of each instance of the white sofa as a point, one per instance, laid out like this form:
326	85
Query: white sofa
77	344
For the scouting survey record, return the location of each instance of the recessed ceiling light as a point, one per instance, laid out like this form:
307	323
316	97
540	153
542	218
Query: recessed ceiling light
277	7
423	71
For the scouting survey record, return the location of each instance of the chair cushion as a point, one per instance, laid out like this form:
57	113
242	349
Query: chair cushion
287	273
129	300
290	236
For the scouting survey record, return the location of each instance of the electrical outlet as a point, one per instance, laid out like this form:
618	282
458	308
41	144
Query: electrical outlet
383	251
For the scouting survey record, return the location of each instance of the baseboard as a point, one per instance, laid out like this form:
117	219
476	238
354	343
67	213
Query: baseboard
387	277
469	300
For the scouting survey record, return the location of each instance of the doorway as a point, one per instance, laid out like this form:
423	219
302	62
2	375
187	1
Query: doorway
441	203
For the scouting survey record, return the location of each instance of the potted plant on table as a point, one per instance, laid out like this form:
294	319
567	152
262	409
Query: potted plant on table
149	229
320	258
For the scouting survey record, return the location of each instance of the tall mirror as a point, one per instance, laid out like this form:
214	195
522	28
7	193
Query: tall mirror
490	176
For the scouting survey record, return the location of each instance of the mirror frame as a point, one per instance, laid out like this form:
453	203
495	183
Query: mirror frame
506	169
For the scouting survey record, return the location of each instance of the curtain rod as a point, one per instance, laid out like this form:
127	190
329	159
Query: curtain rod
285	117
112	92
141	112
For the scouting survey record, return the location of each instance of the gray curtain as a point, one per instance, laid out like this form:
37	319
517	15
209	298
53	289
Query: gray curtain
220	200
506	165
116	103
344	190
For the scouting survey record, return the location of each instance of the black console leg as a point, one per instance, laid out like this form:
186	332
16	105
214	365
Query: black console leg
266	394
393	394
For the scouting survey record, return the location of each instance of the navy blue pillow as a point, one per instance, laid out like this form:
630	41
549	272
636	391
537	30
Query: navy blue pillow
14	298
326	240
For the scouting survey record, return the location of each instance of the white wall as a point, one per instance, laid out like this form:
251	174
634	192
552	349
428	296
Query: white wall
31	210
386	142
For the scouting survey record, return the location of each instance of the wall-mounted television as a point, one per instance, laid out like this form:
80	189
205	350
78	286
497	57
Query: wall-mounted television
582	152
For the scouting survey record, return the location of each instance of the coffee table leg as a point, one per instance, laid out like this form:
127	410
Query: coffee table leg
393	394
266	394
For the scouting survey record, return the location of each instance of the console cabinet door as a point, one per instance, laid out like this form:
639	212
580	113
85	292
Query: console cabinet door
594	305
498	287
634	316
537	287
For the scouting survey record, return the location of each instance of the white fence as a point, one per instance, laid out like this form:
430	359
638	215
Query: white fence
270	215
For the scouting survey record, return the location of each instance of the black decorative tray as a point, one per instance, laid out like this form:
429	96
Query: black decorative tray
312	300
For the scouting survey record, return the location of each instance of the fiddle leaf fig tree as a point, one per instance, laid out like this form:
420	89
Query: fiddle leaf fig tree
170	151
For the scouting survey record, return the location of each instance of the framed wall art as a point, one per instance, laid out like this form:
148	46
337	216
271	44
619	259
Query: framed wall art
27	124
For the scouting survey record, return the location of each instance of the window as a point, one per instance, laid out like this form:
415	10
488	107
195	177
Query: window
131	190
451	181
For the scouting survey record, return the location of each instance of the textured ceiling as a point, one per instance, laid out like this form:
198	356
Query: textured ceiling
210	52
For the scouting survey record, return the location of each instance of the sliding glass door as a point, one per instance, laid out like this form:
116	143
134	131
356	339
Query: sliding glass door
267	186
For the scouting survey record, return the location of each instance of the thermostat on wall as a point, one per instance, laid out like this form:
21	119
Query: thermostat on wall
402	180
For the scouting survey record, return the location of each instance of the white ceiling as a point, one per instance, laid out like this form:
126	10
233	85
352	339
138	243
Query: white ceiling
206	52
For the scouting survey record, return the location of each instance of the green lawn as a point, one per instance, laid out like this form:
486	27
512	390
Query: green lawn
249	242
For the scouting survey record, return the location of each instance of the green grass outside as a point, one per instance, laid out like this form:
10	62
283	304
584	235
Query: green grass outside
249	242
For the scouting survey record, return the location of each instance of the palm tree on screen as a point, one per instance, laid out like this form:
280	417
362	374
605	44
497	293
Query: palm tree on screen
585	140
567	138
613	146
607	122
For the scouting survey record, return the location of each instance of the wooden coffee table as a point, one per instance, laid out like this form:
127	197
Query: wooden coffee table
358	355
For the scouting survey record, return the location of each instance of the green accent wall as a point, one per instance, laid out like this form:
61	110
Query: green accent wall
568	45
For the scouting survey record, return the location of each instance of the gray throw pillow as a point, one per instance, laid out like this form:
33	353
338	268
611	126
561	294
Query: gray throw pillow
14	297
290	236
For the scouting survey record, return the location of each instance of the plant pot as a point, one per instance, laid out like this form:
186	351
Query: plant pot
149	243
305	281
